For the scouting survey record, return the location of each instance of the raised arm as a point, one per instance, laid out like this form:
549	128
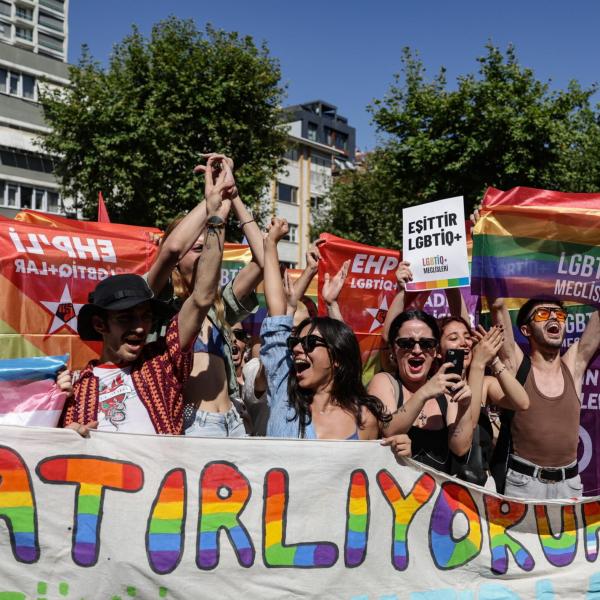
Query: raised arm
251	275
403	275
457	305
332	286
294	291
208	269
500	390
191	226
580	354
510	353
274	290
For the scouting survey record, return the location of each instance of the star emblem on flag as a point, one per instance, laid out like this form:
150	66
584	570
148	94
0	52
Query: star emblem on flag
64	312
378	314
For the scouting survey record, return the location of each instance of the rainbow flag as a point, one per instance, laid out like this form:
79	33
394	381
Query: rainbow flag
49	265
28	391
531	242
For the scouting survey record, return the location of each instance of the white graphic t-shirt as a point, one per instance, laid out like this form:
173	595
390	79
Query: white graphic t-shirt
119	406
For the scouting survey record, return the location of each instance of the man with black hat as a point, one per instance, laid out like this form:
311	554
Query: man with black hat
137	387
542	441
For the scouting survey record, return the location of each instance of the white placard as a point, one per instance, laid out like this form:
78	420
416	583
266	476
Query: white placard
435	245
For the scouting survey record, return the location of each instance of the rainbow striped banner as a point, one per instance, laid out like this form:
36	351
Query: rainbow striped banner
531	242
112	517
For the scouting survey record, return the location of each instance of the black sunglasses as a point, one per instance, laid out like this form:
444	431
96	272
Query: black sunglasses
308	342
240	334
409	343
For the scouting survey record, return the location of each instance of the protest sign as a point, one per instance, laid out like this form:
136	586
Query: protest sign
369	290
532	242
435	244
123	515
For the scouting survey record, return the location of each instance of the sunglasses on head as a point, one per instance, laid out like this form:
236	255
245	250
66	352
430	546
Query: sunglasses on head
543	313
308	342
409	343
240	334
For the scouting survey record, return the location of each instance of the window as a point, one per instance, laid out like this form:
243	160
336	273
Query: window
57	5
50	22
17	84
16	196
11	194
24	13
287	193
315	202
26	197
337	139
292	234
50	42
312	131
14	84
28	86
24	33
53	202
4	31
292	153
39	198
25	160
323	160
5	8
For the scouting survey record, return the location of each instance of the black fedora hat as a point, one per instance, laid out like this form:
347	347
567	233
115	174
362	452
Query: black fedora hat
117	292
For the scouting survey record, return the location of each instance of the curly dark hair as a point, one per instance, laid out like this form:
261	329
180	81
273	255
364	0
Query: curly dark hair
409	315
348	390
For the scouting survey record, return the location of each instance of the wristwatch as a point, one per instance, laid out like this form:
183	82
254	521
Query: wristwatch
215	222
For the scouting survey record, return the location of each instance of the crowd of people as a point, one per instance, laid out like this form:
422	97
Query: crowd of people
466	401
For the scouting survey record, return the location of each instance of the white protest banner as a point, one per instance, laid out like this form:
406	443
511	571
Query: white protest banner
120	516
434	243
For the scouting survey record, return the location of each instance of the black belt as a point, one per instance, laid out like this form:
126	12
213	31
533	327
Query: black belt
543	474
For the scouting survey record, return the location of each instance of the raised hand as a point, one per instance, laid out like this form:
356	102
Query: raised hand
488	344
332	286
277	229
313	256
403	274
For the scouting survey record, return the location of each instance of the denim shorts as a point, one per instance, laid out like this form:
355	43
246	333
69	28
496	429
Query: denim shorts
212	424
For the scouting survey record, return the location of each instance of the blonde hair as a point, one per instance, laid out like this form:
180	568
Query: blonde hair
180	287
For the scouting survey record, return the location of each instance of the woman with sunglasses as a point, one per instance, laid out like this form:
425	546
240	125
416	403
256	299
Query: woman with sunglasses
314	373
433	408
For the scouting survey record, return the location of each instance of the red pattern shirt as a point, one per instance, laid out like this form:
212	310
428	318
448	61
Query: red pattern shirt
159	375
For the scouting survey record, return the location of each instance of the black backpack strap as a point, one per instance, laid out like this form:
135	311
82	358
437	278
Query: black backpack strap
503	449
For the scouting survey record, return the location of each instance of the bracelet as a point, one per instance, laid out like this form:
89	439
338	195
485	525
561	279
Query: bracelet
241	225
499	371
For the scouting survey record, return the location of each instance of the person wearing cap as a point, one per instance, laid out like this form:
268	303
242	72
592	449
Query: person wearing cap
137	387
541	451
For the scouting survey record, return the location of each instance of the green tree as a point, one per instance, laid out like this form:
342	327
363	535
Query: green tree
135	130
501	128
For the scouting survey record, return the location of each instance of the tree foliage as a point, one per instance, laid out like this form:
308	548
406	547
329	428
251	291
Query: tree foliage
501	128
135	129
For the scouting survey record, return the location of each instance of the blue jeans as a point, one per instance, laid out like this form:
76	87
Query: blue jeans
212	424
526	487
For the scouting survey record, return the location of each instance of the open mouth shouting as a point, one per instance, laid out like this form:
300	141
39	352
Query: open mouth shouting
553	328
134	343
416	365
300	365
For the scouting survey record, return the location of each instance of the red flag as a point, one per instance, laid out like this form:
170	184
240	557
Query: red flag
102	212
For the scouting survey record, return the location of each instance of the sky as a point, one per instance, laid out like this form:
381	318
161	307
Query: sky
347	53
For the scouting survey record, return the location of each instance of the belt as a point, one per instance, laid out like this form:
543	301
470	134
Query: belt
546	474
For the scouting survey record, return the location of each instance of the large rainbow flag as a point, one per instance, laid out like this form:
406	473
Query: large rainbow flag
50	264
537	242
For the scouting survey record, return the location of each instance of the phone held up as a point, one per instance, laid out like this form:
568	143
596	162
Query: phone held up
456	356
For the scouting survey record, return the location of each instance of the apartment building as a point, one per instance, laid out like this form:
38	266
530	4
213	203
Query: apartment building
321	144
33	51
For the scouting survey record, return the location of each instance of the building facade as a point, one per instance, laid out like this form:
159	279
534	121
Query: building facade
321	143
33	50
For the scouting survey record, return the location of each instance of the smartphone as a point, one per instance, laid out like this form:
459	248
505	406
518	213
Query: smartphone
456	356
